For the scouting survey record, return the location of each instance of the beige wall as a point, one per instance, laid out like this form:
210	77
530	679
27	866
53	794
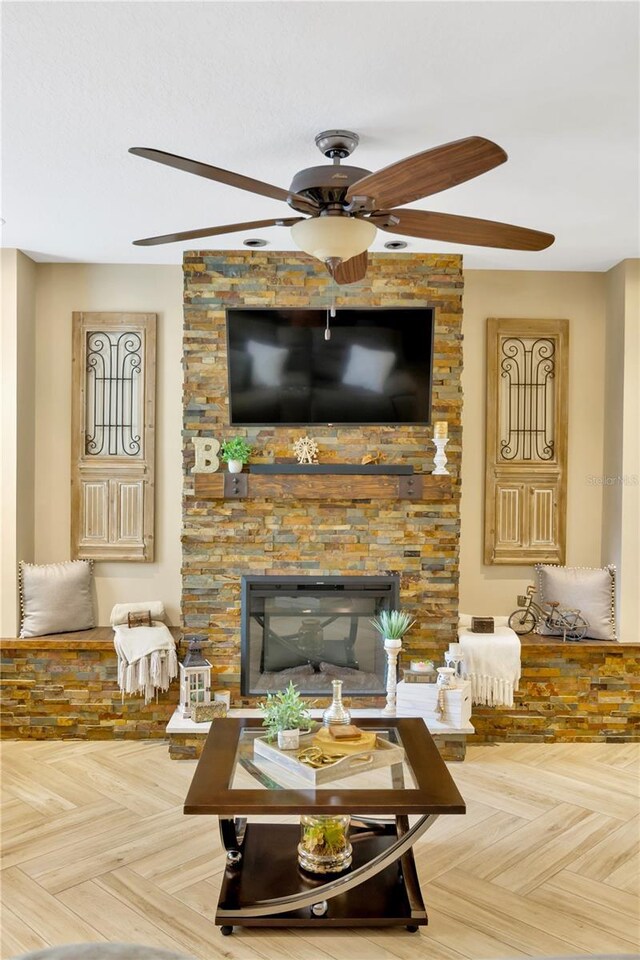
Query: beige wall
580	297
25	533
8	439
17	398
621	471
630	528
61	289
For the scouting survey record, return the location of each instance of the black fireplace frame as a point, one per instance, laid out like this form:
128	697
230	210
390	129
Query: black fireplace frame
386	586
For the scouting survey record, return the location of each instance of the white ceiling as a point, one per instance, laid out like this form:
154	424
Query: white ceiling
247	85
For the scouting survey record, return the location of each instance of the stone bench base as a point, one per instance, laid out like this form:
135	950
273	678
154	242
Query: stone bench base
586	692
65	686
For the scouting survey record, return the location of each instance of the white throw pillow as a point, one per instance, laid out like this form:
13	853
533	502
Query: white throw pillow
56	597
268	363
368	368
591	590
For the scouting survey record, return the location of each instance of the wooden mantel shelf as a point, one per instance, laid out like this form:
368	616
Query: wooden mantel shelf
321	486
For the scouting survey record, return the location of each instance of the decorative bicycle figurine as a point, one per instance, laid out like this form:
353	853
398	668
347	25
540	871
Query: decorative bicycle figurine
529	615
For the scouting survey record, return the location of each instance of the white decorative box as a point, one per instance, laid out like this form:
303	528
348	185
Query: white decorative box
421	700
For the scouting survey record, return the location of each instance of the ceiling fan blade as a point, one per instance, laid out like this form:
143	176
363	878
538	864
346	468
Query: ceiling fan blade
350	271
221	176
453	229
215	231
429	172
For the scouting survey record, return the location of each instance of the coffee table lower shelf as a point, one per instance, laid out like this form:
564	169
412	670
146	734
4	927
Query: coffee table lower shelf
269	868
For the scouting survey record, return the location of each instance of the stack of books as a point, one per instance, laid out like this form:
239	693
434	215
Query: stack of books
422	700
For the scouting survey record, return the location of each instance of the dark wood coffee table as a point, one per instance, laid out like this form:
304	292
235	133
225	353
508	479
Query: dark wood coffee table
263	885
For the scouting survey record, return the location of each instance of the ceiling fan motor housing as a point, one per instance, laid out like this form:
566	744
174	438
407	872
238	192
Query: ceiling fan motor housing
337	144
326	184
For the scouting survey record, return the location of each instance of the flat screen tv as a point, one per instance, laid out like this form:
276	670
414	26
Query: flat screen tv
376	367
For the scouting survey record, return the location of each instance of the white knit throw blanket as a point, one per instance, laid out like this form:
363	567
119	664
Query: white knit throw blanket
120	611
492	664
147	659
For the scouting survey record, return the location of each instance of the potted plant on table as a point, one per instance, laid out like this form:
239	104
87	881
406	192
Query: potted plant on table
235	453
285	715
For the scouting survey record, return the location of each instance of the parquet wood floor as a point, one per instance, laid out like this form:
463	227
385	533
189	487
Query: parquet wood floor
546	863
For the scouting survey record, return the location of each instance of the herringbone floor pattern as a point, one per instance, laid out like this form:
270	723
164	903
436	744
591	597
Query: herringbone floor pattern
545	863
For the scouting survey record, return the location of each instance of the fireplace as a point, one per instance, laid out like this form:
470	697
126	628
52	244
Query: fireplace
337	531
312	630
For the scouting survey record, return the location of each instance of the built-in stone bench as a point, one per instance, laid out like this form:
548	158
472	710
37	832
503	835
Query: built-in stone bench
65	686
586	691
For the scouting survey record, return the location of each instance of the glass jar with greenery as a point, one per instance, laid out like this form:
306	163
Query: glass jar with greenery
324	843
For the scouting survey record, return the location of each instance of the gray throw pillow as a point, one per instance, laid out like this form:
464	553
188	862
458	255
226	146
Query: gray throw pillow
591	590
55	597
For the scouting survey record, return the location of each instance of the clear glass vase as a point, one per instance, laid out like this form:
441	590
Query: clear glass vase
324	843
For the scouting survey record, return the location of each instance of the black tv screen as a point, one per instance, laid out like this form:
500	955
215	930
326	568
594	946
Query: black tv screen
375	368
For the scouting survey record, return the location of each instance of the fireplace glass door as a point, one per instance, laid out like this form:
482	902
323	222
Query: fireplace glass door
313	630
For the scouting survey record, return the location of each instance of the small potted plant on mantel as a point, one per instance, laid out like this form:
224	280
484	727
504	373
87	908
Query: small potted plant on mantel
392	626
235	453
285	715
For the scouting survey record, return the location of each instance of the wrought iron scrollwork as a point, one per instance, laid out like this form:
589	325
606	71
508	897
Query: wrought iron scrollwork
527	408
114	388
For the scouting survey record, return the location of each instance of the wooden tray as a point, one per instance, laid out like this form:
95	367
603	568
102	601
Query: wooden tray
382	755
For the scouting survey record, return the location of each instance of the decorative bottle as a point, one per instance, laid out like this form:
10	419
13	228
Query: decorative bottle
336	712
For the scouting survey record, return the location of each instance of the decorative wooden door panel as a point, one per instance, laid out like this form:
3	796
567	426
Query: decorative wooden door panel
526	449
113	416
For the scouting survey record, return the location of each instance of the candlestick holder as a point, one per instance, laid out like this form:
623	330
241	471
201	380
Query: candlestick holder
392	649
440	458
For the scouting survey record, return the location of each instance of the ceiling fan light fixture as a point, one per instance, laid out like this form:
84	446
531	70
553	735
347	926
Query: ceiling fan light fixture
333	238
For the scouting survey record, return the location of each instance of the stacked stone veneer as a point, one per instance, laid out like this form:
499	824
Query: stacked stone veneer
66	686
224	539
569	691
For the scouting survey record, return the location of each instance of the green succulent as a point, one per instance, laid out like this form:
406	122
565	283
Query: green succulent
393	624
324	837
235	449
284	710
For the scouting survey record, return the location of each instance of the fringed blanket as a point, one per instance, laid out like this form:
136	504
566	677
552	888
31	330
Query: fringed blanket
147	660
492	664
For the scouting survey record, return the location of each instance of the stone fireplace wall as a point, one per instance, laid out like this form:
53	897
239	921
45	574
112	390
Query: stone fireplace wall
223	539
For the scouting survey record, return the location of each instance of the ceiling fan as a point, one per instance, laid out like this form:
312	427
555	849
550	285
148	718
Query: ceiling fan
345	205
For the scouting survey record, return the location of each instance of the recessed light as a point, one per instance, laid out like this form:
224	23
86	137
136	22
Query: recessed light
255	242
395	244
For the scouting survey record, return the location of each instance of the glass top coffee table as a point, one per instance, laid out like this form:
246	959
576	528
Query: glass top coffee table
263	884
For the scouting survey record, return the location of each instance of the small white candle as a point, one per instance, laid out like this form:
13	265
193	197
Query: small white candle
441	429
222	696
